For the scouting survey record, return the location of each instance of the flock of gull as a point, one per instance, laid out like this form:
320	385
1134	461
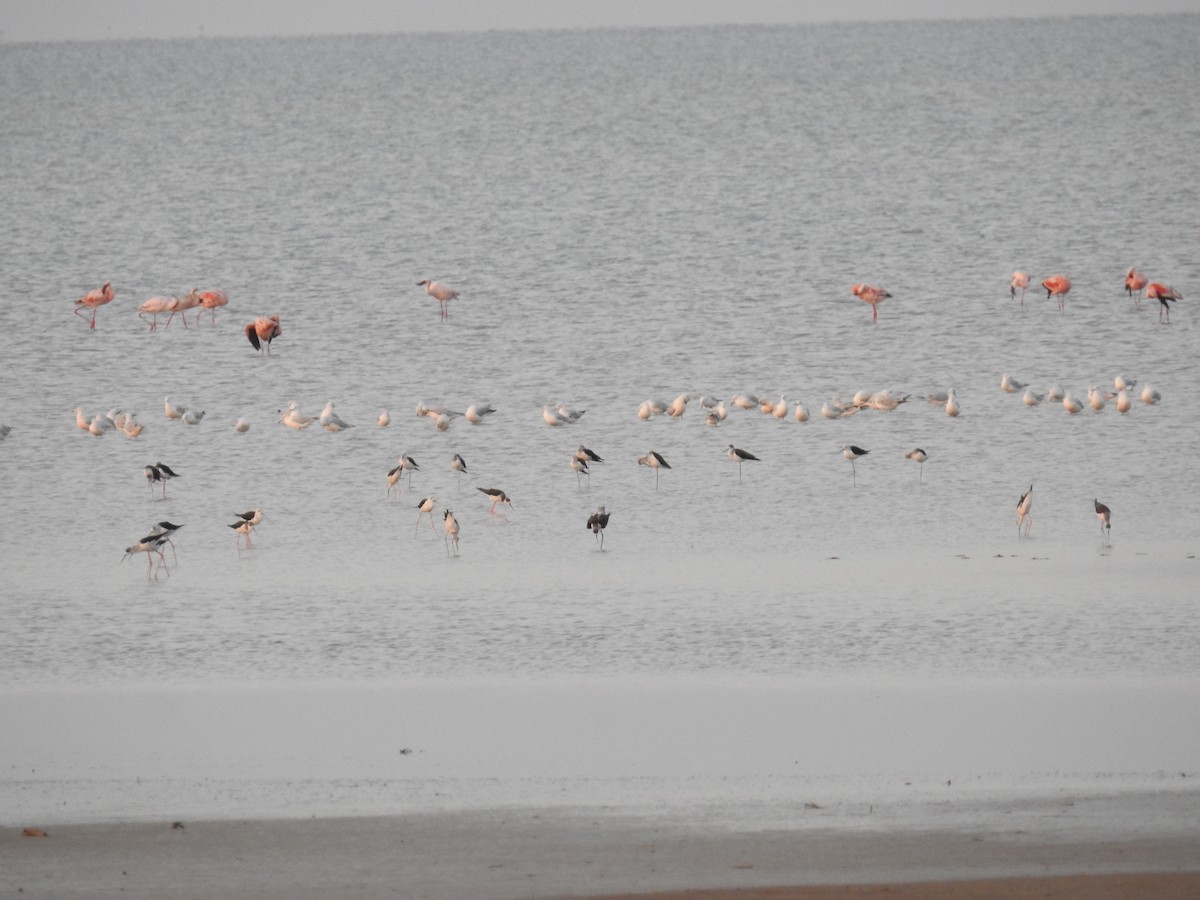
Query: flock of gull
262	331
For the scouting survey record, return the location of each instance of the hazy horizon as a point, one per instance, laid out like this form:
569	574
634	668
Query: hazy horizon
80	20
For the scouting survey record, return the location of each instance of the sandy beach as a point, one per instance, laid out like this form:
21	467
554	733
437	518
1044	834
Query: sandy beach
548	853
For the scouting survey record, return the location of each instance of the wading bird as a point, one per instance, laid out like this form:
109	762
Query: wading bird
918	455
152	307
1104	514
425	507
442	293
1057	286
497	495
852	453
148	545
580	467
1019	281
210	300
93	300
263	330
1025	512
1135	281
596	523
739	456
869	293
450	525
654	460
1165	295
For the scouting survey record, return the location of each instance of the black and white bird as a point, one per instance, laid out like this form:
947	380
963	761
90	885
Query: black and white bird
425	507
497	496
163	530
739	456
918	455
153	477
450	526
654	460
852	453
597	522
580	467
585	455
405	464
1104	514
1025	512
151	544
458	464
244	529
254	516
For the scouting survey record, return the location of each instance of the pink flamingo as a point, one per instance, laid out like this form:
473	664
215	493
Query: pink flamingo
1165	295
870	294
153	307
183	303
265	328
95	298
1057	286
1019	280
210	300
442	293
1134	282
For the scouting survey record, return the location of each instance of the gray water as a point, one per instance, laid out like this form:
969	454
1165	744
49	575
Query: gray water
626	214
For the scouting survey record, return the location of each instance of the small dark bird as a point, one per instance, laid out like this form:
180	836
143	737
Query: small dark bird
583	454
597	522
1024	511
739	456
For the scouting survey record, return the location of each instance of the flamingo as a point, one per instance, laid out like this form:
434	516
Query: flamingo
918	455
1165	295
442	293
1019	280
1024	512
869	293
263	329
153	306
852	453
1134	282
654	460
1104	514
597	522
210	300
182	304
497	495
739	456
1057	286
94	299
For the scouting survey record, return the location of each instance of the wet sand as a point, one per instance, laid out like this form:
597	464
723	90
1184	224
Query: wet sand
545	853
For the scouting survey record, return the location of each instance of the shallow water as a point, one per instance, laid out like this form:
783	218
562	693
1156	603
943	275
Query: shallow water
627	214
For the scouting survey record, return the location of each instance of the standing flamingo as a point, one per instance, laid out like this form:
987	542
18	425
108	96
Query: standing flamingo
95	298
1134	282
154	306
869	293
265	328
210	300
1019	280
1165	295
442	293
182	304
1057	286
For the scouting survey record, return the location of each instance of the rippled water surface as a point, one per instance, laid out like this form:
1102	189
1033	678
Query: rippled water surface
626	215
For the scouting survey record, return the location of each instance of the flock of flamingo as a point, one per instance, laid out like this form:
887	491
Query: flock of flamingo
263	330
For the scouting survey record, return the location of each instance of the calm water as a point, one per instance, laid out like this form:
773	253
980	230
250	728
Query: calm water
626	215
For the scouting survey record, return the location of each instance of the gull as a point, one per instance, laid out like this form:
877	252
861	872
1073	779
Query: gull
98	425
1097	398
1149	395
834	409
1104	514
918	455
851	452
721	411
678	406
553	417
654	460
425	506
712	419
1123	383
800	414
644	411
781	408
293	418
1010	385
442	293
241	426
497	495
173	411
384	419
1071	405
952	408
476	411
1029	398
1055	392
193	417
744	401
739	456
330	420
1124	404
886	401
1024	512
597	522
442	422
574	415
450	525
81	421
937	398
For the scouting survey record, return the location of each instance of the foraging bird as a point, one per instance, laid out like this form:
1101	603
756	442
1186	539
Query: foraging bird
1104	514
442	293
166	473
153	306
1165	295
149	544
869	293
163	531
739	456
654	460
181	305
450	525
93	300
1135	281
211	300
597	522
497	495
254	516
1024	512
1019	280
425	506
263	330
244	529
1057	286
918	455
852	453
